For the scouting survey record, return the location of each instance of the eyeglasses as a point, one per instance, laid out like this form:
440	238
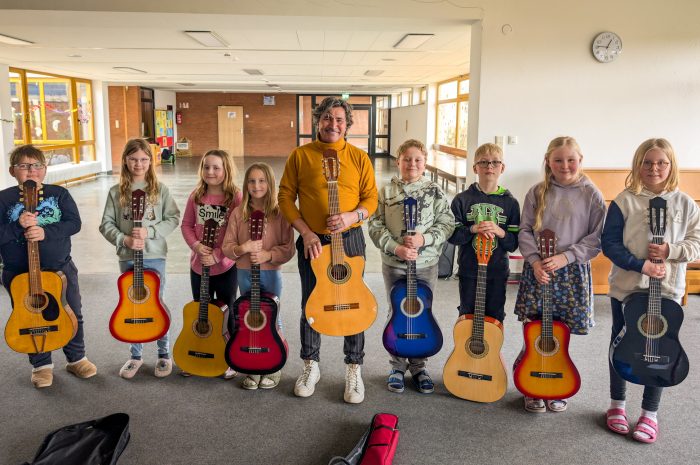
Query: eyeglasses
143	161
486	163
27	166
649	165
329	118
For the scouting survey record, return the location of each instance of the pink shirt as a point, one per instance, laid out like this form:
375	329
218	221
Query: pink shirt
278	238
212	207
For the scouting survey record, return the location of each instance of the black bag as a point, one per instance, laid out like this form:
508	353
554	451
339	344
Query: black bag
94	442
446	263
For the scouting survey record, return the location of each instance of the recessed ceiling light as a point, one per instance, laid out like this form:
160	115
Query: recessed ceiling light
75	56
14	40
186	84
413	40
128	69
388	59
207	38
253	72
373	72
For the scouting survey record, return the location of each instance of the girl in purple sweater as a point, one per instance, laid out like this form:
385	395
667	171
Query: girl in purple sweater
569	204
215	197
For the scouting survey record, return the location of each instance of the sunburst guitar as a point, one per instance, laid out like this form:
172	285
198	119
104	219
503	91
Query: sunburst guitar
411	331
475	369
256	346
140	315
340	304
200	347
544	370
41	319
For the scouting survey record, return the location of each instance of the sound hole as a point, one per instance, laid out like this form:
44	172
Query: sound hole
477	348
202	328
547	345
36	302
254	320
653	326
339	273
411	306
139	294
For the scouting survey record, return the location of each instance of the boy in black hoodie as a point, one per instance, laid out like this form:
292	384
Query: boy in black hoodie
487	208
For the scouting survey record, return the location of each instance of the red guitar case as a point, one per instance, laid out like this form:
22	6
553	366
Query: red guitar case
377	446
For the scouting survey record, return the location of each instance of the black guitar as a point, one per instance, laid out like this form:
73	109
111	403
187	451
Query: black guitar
647	350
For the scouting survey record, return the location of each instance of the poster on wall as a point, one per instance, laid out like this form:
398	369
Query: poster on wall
164	128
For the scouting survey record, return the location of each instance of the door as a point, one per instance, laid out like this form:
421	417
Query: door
231	130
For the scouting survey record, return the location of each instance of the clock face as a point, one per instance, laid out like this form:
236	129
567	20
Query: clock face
607	46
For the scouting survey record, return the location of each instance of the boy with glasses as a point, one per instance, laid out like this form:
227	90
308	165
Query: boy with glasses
489	209
56	219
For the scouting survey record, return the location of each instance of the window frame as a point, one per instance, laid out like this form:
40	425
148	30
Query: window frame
457	100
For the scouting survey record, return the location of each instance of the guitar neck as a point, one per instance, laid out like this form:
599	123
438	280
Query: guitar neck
546	333
337	252
35	286
204	297
138	262
654	303
480	303
255	288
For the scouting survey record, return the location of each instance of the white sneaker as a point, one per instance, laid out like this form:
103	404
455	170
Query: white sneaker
306	383
354	387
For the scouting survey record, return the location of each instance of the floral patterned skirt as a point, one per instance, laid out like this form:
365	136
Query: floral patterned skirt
572	296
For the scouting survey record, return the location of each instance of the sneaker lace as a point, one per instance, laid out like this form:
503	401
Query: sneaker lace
351	378
304	378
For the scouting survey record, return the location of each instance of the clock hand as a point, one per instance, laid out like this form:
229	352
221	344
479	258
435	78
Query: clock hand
608	46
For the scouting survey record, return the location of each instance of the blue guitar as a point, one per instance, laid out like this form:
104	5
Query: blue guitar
412	331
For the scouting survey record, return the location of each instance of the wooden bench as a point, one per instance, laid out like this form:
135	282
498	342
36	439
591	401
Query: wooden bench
611	182
447	164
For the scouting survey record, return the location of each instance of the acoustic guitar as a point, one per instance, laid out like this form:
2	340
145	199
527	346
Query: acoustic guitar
411	331
200	347
340	304
41	319
544	369
256	346
475	369
140	315
647	350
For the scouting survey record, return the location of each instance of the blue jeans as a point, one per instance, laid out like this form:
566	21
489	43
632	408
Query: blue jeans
158	265
270	281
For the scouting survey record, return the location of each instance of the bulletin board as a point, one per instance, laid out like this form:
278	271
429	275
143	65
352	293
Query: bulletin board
164	128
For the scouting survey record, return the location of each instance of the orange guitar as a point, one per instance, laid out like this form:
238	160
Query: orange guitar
341	304
41	320
475	369
544	369
140	316
199	349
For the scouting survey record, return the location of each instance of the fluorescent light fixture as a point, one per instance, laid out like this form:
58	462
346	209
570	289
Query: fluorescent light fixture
373	72
412	41
128	69
14	40
207	38
253	72
186	84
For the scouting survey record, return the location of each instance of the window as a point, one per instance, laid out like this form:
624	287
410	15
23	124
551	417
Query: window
148	119
54	113
452	112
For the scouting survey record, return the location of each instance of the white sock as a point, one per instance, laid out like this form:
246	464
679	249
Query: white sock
617	404
643	434
621	405
649	414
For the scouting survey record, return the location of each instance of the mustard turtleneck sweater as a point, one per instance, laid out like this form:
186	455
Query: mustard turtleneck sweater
303	178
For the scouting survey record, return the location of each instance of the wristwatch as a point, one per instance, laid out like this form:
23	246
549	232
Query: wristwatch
360	215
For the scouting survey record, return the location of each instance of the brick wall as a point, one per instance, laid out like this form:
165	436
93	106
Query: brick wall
267	129
125	107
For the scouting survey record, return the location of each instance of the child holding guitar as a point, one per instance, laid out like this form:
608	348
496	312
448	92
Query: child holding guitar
51	225
569	204
434	223
636	261
161	216
274	249
214	198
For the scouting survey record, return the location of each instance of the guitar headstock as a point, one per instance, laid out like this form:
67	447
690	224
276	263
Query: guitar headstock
331	166
257	224
410	214
483	249
546	242
657	216
30	195
138	205
211	228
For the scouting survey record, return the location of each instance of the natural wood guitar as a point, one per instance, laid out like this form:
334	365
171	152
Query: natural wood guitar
41	319
140	315
475	369
199	349
340	304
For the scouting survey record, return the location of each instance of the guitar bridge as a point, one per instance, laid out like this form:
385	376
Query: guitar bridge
412	336
137	321
661	359
38	330
339	307
546	374
255	350
194	353
476	376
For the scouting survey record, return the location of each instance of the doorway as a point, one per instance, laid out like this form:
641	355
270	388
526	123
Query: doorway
231	129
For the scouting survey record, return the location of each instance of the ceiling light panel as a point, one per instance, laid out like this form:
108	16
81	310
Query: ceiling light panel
373	72
253	72
127	69
13	40
207	38
413	41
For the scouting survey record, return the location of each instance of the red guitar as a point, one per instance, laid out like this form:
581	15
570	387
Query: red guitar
256	346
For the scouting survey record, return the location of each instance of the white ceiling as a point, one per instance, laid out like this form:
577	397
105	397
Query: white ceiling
297	53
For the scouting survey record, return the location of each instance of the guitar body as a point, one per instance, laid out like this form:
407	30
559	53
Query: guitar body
200	347
627	351
425	338
43	324
139	318
341	304
542	373
476	372
256	346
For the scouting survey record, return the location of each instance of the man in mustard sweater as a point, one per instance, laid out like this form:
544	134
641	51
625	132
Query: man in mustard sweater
303	178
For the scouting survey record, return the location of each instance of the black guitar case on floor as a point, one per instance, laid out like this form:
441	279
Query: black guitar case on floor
94	442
